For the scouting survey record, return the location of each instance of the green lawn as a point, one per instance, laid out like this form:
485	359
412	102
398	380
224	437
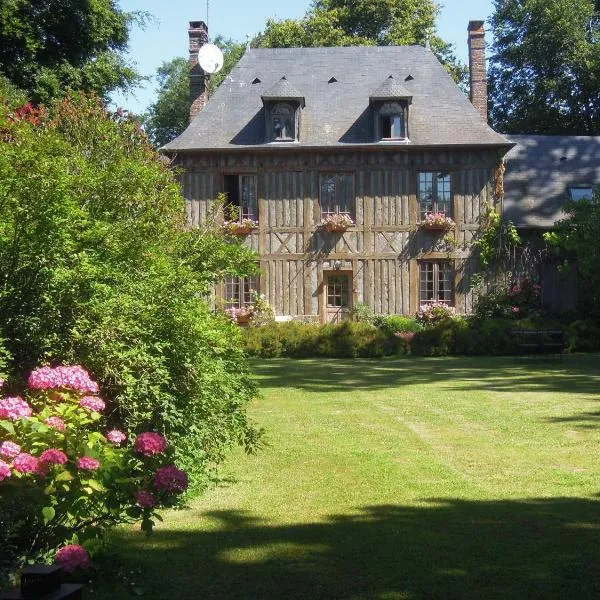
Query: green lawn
400	478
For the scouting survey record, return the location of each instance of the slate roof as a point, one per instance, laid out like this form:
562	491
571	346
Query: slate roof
389	89
539	171
337	114
283	90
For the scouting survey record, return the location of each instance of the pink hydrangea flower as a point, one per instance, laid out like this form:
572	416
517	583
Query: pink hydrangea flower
87	463
171	479
516	309
55	423
145	499
116	437
1	382
9	449
26	463
92	403
71	558
73	378
150	443
14	408
53	456
5	472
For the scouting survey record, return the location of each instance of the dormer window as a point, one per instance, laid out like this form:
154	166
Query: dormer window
390	104
283	104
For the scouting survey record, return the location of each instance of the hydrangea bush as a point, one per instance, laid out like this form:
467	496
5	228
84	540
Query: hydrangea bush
78	479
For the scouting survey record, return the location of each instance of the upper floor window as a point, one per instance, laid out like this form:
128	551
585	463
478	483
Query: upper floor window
436	282
283	123
581	192
390	102
241	197
391	121
336	194
435	194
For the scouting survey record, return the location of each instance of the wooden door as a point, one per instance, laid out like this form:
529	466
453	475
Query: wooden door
338	295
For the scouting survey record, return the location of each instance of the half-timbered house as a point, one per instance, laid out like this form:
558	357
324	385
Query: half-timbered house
340	157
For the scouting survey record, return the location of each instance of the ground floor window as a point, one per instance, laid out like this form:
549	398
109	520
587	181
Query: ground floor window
436	282
239	291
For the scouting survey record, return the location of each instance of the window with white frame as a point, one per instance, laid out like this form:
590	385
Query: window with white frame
241	197
239	291
436	282
581	192
435	194
336	194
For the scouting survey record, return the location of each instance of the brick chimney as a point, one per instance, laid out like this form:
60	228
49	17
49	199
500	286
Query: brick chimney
198	32
477	70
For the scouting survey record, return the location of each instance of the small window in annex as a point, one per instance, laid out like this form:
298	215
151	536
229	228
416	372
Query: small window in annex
336	194
435	194
436	282
241	197
581	192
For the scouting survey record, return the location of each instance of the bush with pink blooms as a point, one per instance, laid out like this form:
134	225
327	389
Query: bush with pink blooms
65	477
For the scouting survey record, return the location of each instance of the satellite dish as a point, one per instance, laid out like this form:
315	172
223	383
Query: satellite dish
210	58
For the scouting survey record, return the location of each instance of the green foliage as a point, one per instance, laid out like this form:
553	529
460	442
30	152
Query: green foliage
363	313
519	299
166	118
578	238
99	268
583	335
498	241
545	67
366	23
301	340
51	45
392	324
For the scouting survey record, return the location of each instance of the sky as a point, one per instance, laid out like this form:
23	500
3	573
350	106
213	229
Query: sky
165	34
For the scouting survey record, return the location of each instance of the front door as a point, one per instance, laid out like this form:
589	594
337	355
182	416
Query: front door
338	296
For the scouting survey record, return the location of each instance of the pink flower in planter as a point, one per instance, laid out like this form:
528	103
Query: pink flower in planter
116	437
14	408
53	456
9	449
71	558
150	443
56	423
87	463
26	463
171	479
145	499
5	471
92	403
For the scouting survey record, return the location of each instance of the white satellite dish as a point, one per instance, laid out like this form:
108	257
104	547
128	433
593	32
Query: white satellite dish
210	58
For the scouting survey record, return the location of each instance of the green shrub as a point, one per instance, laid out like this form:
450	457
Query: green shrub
491	336
394	323
583	335
363	313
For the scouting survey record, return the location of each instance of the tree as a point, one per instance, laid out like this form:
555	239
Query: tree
545	66
47	46
98	267
364	22
170	114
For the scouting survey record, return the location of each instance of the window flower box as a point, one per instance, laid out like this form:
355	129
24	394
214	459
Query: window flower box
437	221
239	228
240	315
338	222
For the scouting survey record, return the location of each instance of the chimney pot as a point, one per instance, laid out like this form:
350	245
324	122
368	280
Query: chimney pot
477	67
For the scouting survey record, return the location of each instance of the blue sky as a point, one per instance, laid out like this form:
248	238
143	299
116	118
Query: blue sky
165	36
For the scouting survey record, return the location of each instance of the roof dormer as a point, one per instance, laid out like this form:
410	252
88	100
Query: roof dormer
390	102
283	103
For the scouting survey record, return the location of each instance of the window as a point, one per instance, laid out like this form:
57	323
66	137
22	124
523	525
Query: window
436	282
338	291
435	194
239	291
581	193
392	121
241	197
336	194
283	123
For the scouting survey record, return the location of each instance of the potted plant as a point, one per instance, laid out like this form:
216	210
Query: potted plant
241	314
437	221
241	228
336	222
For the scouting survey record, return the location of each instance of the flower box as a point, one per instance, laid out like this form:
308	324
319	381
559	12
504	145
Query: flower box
240	315
437	222
336	223
240	228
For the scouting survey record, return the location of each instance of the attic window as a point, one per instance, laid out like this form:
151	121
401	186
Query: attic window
392	121
583	192
283	122
283	104
332	80
256	80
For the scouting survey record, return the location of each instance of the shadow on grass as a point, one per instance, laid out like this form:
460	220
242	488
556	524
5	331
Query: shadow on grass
578	373
542	548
